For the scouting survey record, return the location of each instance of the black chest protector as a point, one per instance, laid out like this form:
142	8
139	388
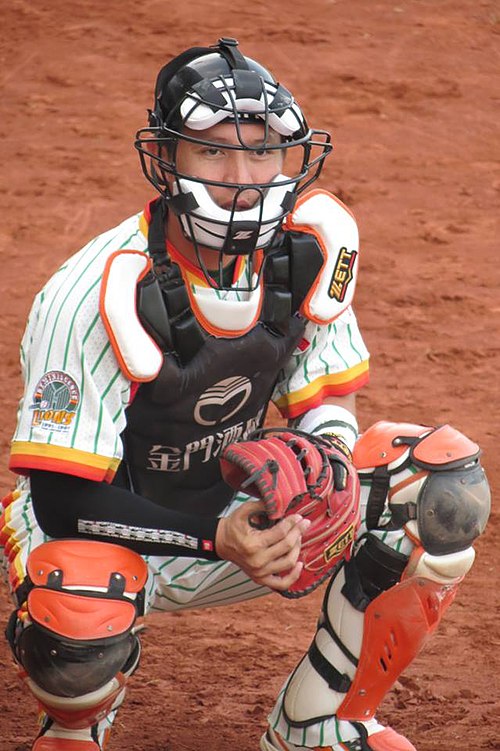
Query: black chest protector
210	391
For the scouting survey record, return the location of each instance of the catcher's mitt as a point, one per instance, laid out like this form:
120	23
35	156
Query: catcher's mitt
294	472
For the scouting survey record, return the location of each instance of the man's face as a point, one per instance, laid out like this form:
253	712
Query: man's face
230	165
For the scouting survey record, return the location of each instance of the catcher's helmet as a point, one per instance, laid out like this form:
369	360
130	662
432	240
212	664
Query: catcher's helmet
205	86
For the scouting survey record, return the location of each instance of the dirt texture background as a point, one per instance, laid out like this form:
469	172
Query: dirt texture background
409	89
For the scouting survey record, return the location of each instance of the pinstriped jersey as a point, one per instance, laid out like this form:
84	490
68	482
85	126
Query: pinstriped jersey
331	360
73	411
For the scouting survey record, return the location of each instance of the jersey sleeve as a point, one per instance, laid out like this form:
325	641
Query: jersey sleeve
331	360
72	412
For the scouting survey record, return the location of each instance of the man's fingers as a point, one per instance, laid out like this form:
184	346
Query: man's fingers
279	564
289	526
281	583
284	552
268	556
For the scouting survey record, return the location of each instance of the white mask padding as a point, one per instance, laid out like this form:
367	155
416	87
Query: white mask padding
205	218
199	116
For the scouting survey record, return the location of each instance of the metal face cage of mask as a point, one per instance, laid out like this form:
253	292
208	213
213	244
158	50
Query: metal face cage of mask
201	88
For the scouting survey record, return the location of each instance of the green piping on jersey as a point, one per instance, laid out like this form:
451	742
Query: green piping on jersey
70	291
68	342
195	588
346	364
337	729
72	324
306	375
99	419
105	349
241	596
82	372
54	298
349	332
322	360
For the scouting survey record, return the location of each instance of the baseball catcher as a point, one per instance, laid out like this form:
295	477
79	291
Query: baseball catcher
145	480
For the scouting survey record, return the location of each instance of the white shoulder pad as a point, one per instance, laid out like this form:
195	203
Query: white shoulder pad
139	357
320	214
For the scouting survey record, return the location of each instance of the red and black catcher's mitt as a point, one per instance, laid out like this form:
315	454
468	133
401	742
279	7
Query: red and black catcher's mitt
294	472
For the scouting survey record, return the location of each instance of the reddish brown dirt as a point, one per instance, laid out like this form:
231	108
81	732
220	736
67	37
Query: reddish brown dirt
409	89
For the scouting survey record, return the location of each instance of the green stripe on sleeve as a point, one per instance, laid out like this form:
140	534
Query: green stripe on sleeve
101	408
346	364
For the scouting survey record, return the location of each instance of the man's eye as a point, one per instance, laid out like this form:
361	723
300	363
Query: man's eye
212	151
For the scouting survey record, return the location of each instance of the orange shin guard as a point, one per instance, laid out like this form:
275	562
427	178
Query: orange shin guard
74	638
396	625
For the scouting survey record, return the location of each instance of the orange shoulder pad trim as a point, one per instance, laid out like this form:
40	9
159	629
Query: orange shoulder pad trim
78	616
86	563
375	446
444	446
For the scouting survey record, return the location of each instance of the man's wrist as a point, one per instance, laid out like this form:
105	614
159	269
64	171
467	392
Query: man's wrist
337	443
331	420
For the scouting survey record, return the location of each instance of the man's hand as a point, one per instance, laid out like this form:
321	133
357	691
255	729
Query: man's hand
293	473
268	556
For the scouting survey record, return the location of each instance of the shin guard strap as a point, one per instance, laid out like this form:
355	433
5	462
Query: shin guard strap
336	680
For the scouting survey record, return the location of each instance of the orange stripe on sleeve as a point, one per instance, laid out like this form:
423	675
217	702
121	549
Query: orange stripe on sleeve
25	456
313	395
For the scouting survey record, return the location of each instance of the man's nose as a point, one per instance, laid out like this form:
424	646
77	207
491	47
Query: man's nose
239	169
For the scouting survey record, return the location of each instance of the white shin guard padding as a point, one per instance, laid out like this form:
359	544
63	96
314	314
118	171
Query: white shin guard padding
308	695
443	569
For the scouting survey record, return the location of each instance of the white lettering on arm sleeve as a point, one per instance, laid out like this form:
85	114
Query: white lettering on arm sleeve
331	360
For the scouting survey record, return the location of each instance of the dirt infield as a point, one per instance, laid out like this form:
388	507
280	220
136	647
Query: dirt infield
409	90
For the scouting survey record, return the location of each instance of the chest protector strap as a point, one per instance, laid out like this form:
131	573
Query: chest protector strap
163	302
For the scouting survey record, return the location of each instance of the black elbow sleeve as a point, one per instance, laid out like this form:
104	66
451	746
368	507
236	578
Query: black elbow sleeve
69	506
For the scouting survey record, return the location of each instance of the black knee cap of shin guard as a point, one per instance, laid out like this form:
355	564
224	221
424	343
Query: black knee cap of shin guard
373	569
70	668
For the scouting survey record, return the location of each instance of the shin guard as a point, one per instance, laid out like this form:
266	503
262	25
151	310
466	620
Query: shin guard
379	609
73	635
397	624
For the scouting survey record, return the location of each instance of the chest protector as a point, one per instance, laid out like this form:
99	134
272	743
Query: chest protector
210	390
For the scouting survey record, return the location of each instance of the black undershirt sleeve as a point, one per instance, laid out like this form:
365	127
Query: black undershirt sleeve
69	506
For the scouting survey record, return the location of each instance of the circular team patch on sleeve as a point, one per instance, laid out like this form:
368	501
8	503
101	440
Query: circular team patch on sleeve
55	401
